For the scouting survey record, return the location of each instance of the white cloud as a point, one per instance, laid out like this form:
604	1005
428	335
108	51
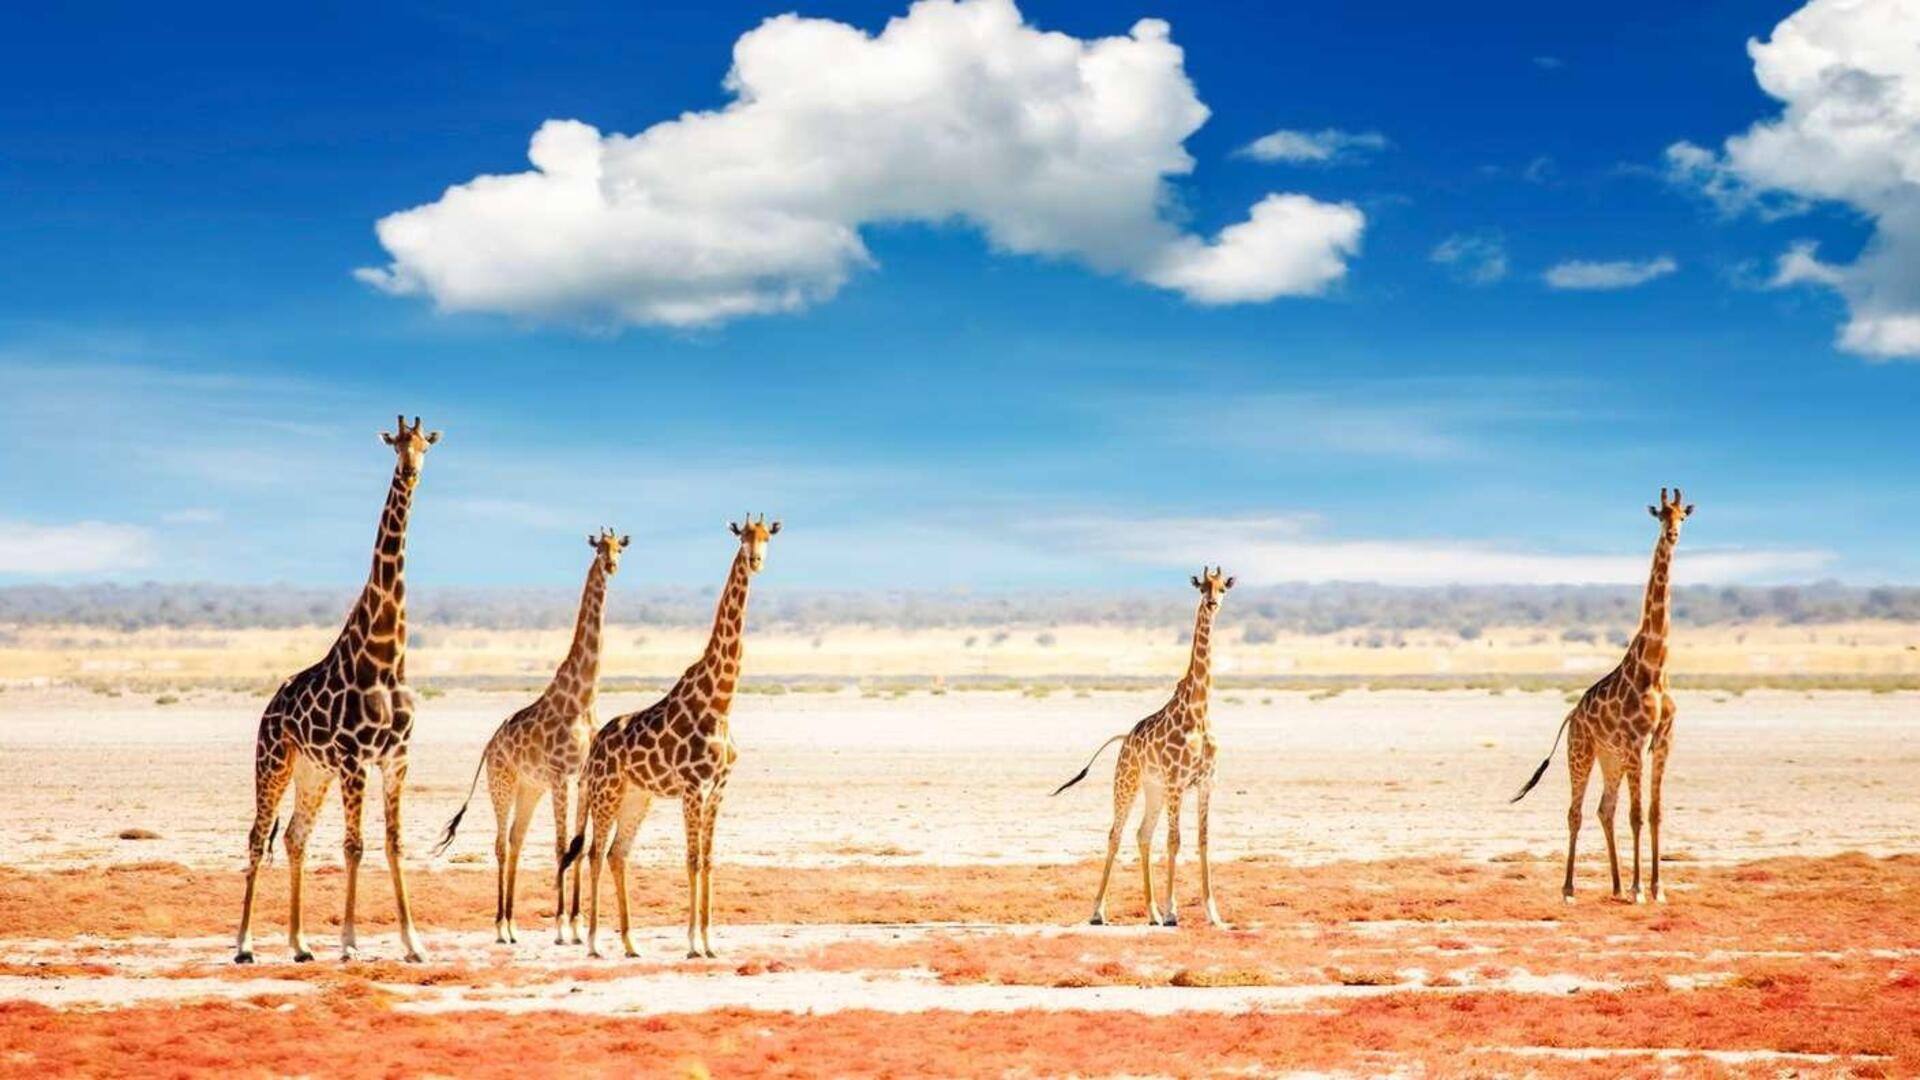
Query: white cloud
1286	548
1313	147
1800	265
1476	259
83	547
957	111
1847	75
1618	274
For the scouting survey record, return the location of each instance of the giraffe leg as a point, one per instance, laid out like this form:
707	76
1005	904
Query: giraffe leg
1662	745
1126	784
693	810
1609	800
562	799
501	782
603	825
310	784
1634	819
393	782
579	867
706	866
353	794
1206	869
1579	771
1173	852
272	771
633	809
1150	820
526	797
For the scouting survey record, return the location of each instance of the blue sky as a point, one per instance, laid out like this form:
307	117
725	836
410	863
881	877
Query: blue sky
192	374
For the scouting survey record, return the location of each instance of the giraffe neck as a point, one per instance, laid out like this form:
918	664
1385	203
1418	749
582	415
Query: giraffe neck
721	662
376	629
1649	647
580	671
1198	681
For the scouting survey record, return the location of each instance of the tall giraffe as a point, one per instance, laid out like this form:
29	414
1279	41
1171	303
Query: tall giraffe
678	747
1628	714
340	717
1169	752
540	749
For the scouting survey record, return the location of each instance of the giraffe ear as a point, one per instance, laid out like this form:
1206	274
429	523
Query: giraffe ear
624	541
1196	580
432	437
734	527
593	542
774	529
1229	583
1689	511
387	437
1655	514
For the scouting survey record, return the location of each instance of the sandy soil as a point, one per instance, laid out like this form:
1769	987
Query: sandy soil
897	896
962	778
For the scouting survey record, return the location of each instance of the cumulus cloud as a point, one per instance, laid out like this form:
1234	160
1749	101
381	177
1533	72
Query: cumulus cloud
1051	145
1847	75
1313	147
1276	549
80	548
1475	259
1617	274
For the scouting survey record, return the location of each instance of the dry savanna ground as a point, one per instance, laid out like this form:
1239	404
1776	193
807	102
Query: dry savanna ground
897	896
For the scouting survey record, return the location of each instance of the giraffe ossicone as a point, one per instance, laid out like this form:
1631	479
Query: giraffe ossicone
1625	722
339	719
1165	755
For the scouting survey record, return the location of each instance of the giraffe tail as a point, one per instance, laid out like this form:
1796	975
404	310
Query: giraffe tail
271	837
573	849
446	838
1082	774
1542	770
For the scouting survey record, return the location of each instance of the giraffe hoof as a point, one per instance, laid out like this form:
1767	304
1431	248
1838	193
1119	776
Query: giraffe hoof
416	958
1097	920
711	955
693	954
1171	921
1567	899
1639	897
303	957
244	956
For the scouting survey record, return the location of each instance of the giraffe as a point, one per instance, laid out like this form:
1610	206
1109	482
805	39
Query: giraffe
1169	752
679	746
1624	717
340	717
540	749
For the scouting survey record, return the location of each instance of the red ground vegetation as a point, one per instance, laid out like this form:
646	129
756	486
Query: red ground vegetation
1828	903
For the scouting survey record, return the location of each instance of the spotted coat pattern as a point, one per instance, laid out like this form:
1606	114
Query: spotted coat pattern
1165	755
680	747
341	717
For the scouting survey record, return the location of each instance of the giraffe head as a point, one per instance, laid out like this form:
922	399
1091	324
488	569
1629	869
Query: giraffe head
1212	585
753	539
1671	514
608	547
410	447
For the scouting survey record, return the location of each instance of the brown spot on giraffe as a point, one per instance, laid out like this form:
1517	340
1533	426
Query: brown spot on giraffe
1626	719
341	717
678	747
1166	754
541	749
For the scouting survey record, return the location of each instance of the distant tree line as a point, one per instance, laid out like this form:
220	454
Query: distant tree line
1260	612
